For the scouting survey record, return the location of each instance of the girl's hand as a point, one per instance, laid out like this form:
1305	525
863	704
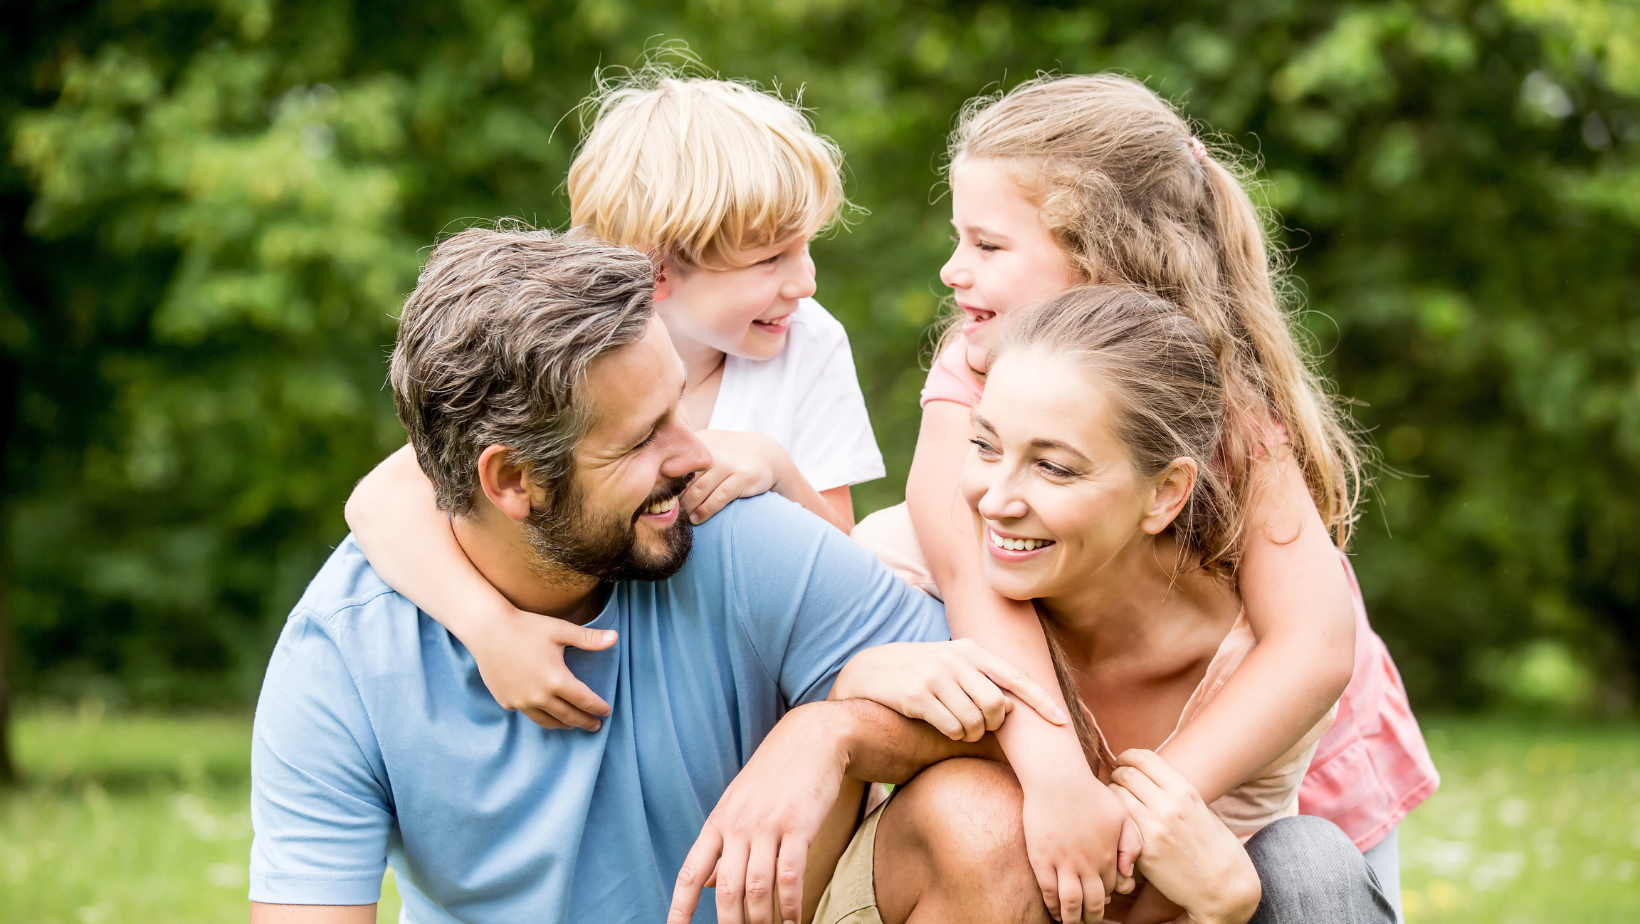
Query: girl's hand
957	687
743	465
1189	855
1072	830
522	662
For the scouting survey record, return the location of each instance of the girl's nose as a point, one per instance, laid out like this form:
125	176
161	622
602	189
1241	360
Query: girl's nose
955	275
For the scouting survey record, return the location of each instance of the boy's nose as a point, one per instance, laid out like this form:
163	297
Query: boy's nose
801	284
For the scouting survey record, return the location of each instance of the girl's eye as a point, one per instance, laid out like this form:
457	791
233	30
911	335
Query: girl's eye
986	248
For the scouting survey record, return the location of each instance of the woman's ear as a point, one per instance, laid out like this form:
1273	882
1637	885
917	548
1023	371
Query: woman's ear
507	484
1172	489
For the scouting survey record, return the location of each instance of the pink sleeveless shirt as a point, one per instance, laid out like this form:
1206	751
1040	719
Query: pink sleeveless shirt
1372	767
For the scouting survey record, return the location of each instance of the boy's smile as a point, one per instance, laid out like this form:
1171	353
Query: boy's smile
745	311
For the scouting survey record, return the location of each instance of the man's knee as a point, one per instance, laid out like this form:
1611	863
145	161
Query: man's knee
967	815
1311	872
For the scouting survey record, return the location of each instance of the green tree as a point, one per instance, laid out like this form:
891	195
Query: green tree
214	207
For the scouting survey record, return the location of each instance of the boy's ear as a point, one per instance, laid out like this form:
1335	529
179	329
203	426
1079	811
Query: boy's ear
666	276
507	484
1172	489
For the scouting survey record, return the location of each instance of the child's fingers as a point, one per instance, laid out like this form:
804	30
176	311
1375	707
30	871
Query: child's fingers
730	489
580	697
1008	676
938	715
571	635
699	489
543	719
1129	844
1070	897
1139	812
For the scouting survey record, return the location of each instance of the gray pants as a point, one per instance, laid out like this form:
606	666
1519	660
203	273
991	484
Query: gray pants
1312	874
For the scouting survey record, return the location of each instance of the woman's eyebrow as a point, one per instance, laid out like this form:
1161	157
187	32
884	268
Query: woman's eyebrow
983	424
1060	446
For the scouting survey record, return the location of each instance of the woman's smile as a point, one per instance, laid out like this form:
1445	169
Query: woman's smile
1006	548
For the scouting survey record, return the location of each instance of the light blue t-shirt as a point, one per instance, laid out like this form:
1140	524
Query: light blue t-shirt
376	742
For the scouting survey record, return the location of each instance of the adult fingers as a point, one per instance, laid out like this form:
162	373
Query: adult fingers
731	882
1161	772
1006	674
1141	785
938	715
794	860
1129	844
760	882
699	865
543	719
1141	814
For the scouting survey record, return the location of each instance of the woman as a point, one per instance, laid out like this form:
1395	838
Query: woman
1099	501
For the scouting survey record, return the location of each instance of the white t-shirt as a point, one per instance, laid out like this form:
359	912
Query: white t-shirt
808	399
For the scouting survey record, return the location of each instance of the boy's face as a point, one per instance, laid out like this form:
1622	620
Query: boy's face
744	312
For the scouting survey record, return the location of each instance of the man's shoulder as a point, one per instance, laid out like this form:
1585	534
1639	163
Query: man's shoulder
346	591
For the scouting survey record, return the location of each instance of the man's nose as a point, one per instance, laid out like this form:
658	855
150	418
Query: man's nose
689	455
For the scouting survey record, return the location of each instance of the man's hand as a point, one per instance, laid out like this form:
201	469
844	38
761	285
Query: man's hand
743	465
1072	828
1189	855
521	658
957	686
756	841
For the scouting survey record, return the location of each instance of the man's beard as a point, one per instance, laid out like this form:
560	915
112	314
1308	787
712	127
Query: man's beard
568	537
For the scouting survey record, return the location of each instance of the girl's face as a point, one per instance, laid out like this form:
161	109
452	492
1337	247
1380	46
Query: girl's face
1059	504
1004	258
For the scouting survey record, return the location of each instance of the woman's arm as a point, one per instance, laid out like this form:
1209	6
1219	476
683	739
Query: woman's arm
520	655
1297	599
1072	822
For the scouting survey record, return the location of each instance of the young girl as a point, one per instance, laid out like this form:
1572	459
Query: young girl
725	186
1070	180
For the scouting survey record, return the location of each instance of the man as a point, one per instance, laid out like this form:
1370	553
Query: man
542	399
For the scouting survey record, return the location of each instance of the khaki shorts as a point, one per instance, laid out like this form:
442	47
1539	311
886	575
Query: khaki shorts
851	898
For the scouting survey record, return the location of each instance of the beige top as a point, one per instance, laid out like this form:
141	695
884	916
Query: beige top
1273	792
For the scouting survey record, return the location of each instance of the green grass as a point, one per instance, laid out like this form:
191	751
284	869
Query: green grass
143	819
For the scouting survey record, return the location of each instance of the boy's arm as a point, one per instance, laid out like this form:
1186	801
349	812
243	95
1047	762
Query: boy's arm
1298	601
520	655
1072	821
746	464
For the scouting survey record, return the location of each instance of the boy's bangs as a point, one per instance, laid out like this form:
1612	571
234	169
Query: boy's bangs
706	173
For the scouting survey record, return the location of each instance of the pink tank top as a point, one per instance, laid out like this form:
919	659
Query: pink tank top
1372	767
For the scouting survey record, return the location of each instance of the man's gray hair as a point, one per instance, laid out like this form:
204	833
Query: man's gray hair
494	346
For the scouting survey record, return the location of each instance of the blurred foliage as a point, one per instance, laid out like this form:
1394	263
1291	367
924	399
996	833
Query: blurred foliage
212	209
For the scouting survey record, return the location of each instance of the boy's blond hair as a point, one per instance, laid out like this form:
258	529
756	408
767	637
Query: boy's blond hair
701	172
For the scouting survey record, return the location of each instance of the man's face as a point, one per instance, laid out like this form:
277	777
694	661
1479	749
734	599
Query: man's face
617	519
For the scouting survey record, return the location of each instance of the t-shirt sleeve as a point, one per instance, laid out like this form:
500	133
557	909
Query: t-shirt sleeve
810	598
832	443
320	809
952	380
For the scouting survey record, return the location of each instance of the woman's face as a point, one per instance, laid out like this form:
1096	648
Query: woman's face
1056	498
1004	258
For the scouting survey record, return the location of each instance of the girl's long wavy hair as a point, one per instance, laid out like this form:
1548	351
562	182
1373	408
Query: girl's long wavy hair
1116	174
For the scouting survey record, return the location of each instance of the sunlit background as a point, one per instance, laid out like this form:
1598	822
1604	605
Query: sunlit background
211	210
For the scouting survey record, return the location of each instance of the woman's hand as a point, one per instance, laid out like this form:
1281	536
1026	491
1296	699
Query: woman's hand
1189	855
1073	828
957	687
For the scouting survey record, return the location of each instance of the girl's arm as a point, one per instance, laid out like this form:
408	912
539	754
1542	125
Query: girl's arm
1298	601
520	655
1072	822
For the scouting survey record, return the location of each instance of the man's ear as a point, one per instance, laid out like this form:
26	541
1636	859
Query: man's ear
1171	490
506	483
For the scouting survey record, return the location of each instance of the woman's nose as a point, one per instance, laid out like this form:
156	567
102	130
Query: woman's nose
1001	503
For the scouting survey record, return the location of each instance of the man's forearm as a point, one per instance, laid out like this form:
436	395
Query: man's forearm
881	746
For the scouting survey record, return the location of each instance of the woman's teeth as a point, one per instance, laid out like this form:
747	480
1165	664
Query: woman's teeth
1017	545
660	507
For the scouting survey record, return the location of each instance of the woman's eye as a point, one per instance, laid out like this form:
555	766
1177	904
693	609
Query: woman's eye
983	447
1054	470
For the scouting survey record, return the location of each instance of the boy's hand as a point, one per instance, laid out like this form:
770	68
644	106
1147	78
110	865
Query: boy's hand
1073	825
743	465
522	663
957	686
